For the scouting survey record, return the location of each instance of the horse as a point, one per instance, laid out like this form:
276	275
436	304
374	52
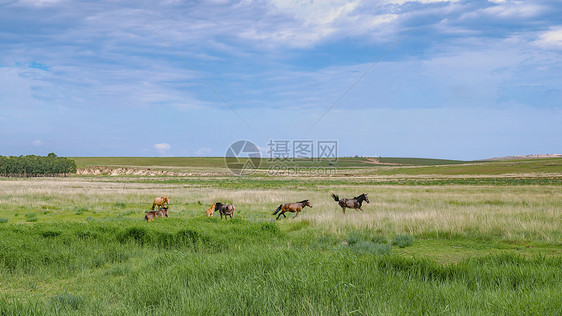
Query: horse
211	210
152	215
164	210
291	207
160	201
354	203
225	209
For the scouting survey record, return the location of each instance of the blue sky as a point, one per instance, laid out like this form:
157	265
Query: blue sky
470	80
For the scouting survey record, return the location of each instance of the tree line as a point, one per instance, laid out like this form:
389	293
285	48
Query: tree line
36	166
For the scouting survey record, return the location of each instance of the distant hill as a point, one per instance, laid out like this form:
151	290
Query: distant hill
520	157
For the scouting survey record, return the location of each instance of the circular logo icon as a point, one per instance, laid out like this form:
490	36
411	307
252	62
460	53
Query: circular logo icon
242	157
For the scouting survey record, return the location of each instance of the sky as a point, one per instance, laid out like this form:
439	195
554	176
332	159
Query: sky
393	78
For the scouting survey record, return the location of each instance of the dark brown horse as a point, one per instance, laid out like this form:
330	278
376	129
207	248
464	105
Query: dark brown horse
164	210
152	215
354	203
225	209
291	207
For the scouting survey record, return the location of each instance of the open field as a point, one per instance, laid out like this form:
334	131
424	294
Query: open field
427	243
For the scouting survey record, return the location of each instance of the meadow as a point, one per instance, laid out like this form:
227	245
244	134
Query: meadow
472	241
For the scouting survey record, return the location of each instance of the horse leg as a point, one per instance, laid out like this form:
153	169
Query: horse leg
296	215
279	215
343	209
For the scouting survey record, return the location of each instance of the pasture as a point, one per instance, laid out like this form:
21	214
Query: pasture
459	238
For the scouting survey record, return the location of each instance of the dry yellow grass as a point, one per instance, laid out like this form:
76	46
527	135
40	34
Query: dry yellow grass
525	212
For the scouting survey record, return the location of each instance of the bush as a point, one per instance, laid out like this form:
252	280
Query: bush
369	247
379	240
403	241
137	234
354	238
3	220
67	300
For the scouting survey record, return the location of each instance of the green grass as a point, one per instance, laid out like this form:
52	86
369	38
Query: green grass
351	166
548	165
190	267
470	244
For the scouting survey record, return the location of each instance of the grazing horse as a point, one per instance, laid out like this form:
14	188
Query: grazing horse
291	207
354	203
152	215
160	201
211	210
225	209
164	210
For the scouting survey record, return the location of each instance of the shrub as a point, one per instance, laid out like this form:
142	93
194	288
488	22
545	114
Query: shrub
354	238
67	300
403	241
50	233
369	247
137	234
3	220
379	240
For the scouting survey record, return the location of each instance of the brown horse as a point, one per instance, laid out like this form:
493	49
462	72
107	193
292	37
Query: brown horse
160	201
152	215
291	207
225	209
210	210
354	203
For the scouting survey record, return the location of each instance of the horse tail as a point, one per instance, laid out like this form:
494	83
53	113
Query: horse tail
278	209
153	204
336	198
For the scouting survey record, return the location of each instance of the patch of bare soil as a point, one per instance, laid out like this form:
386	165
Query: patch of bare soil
376	161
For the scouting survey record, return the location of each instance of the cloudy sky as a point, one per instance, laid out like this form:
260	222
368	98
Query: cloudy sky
421	78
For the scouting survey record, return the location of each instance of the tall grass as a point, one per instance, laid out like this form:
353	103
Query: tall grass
108	260
205	266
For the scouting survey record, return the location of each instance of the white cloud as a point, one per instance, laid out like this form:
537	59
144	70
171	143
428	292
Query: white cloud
550	39
37	143
303	24
507	10
204	151
39	3
162	148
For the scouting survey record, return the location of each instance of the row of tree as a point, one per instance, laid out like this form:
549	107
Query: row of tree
36	166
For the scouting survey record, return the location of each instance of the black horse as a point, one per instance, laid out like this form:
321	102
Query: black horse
354	203
225	209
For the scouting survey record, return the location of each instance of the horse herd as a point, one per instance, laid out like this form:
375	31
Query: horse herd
225	210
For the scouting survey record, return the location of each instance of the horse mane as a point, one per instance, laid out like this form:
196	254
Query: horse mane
303	201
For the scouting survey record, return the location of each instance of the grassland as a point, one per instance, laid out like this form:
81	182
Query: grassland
427	243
